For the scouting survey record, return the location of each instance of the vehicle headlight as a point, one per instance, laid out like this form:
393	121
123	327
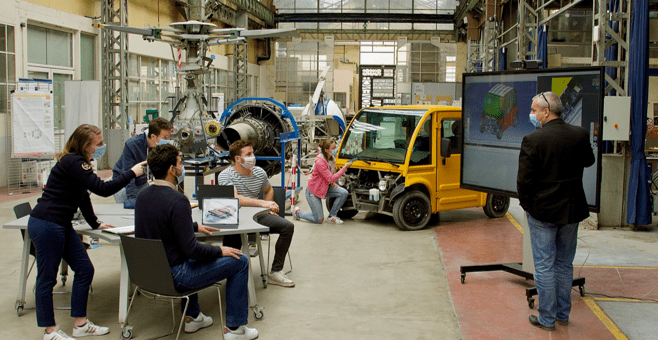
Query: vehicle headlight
341	181
382	185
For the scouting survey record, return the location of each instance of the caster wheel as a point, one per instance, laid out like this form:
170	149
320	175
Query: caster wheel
531	303
63	280
126	334
259	315
463	277
264	284
582	290
19	310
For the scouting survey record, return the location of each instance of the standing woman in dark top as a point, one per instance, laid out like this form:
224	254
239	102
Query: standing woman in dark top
52	233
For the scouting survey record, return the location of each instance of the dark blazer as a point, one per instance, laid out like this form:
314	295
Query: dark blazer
550	177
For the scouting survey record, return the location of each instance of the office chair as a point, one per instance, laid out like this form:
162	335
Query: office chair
149	271
22	210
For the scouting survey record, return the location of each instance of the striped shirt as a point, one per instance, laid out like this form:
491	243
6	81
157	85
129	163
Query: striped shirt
248	186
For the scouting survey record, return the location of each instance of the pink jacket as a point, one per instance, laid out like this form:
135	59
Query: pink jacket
321	176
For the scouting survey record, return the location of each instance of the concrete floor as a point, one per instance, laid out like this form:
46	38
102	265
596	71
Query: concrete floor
366	279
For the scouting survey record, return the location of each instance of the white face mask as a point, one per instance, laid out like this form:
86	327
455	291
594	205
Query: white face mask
249	162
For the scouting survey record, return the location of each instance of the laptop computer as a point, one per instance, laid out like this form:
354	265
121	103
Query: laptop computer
206	191
222	213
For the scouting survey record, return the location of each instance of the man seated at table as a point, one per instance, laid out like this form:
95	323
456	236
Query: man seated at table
135	151
161	212
249	181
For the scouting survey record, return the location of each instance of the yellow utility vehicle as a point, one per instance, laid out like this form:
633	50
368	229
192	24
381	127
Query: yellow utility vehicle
407	165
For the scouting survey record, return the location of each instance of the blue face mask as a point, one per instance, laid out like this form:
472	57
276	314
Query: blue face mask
99	152
164	141
534	121
334	152
182	175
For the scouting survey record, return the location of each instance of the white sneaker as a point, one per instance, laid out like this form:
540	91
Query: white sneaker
193	325
280	279
89	329
242	333
57	334
334	220
295	215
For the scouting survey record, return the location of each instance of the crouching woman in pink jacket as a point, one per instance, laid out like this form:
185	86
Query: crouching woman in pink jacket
321	185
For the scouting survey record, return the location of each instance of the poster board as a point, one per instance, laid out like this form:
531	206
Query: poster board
32	124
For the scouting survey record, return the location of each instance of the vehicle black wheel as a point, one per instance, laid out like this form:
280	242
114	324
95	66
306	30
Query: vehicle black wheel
482	128
496	206
515	120
499	133
412	211
343	214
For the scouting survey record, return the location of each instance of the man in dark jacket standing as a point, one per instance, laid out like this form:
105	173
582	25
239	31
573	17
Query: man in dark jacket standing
550	188
135	151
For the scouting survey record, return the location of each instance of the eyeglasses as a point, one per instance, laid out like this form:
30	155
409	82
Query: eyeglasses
549	104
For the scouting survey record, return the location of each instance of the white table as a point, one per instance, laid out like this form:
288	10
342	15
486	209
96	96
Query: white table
248	225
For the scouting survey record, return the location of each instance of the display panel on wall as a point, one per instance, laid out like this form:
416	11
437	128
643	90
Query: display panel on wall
376	86
496	108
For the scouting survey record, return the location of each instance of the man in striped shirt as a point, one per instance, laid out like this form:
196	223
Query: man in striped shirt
248	181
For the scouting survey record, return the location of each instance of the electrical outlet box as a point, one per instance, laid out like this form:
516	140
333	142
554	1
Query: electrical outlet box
616	118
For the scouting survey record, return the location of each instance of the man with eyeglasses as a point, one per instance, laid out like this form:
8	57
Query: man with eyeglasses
550	189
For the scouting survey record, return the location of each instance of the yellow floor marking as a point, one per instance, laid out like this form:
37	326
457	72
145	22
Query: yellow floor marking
620	267
616	332
514	222
620	299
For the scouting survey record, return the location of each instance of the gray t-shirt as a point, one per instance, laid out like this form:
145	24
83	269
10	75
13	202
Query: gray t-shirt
248	186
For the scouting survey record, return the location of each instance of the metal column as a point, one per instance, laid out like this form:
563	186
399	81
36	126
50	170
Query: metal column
608	37
490	48
527	31
473	47
114	79
240	69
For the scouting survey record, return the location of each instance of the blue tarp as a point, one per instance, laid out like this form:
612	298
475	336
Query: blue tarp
639	203
502	59
542	46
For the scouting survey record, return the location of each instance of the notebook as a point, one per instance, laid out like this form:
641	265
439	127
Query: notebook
121	230
221	213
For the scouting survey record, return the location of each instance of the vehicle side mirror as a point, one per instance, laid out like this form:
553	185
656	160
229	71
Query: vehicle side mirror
445	148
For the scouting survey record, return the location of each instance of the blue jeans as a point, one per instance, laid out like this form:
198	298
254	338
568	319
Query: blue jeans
53	243
553	251
192	275
315	203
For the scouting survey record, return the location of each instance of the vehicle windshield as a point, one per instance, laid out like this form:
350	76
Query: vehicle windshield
381	135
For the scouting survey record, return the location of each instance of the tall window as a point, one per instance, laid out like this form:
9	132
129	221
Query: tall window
151	82
451	68
377	53
87	57
7	65
298	68
47	46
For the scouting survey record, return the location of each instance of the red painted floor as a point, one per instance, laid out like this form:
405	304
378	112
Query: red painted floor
492	305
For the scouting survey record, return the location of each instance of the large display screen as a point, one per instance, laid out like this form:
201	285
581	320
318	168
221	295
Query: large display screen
496	108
